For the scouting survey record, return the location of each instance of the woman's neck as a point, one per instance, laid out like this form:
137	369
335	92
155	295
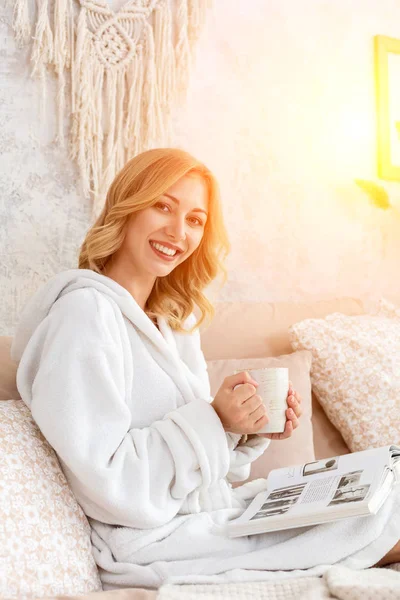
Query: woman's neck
139	287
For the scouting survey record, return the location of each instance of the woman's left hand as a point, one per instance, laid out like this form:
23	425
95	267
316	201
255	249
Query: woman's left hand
292	416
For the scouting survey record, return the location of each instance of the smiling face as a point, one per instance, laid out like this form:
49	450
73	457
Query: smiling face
177	219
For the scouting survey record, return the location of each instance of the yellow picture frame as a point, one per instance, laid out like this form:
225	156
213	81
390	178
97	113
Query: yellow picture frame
388	127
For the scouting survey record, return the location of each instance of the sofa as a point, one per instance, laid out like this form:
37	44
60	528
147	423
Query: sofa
36	504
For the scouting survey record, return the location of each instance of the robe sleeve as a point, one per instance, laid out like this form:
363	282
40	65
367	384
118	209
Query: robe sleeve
72	376
241	453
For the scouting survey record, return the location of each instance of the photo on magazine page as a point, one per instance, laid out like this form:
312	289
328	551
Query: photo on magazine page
350	479
280	501
349	489
320	466
271	513
286	492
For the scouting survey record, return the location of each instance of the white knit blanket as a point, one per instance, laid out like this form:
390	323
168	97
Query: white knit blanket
338	582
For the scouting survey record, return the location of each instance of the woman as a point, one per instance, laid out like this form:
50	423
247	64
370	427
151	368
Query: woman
112	370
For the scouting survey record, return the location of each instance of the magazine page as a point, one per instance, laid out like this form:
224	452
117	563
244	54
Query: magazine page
318	494
313	487
374	460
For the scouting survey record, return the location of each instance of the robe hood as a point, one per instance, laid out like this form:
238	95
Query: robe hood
65	282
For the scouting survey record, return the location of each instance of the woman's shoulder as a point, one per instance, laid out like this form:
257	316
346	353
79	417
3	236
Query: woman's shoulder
85	306
79	300
82	319
61	312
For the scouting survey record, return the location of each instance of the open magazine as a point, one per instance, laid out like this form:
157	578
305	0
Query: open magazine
326	490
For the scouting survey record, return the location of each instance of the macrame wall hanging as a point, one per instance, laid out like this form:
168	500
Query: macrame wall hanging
119	74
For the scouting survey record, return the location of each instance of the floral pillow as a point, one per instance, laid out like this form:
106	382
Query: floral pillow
355	373
45	547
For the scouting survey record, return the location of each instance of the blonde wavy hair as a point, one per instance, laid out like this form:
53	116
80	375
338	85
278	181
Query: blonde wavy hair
139	185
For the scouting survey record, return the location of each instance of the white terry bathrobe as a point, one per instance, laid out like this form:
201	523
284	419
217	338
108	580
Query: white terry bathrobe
127	409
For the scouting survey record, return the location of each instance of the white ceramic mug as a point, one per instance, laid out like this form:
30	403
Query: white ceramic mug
273	389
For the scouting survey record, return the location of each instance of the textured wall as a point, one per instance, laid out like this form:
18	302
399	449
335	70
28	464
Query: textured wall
281	107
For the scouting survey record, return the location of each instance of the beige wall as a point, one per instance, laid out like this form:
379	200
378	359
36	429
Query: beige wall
281	107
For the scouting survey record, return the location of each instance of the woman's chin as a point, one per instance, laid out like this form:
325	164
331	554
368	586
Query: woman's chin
162	270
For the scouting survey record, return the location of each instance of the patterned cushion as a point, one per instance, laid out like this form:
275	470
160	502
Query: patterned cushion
45	546
355	373
123	594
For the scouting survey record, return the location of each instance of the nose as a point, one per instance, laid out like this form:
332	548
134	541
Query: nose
177	228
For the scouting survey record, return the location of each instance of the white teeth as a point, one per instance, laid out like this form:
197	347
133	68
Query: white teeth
163	249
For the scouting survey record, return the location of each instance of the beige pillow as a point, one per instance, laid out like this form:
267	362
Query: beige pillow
355	373
299	447
261	328
45	543
8	371
328	441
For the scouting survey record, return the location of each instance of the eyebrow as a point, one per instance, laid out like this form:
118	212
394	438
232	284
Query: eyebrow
177	202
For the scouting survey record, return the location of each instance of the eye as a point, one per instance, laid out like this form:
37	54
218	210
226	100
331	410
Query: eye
163	204
199	221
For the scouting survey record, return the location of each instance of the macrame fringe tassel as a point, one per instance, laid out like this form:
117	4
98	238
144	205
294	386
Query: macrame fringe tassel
98	136
63	49
42	49
21	22
182	48
164	50
121	101
120	118
153	130
82	115
133	128
197	12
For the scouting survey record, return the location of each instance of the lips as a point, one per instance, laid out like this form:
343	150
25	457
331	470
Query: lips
170	246
163	256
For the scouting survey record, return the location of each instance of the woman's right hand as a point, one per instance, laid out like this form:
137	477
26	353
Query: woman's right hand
240	410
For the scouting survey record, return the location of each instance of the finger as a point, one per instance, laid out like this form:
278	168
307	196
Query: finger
290	397
291	417
246	391
281	436
241	377
288	430
294	405
260	423
258	414
284	435
252	403
292	392
297	396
